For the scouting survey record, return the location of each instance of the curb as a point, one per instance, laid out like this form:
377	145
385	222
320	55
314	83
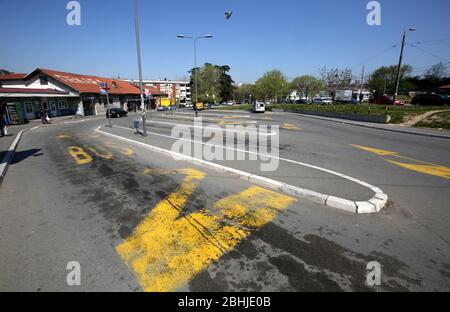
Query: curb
372	205
9	156
343	121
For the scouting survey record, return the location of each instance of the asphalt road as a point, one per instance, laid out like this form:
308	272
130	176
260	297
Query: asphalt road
138	220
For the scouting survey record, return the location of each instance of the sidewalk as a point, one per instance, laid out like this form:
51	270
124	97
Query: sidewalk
13	130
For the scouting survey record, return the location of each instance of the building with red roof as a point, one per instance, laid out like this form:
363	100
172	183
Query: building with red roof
62	93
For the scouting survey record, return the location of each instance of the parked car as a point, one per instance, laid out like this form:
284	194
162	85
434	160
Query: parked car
230	103
160	108
116	113
431	100
321	101
385	100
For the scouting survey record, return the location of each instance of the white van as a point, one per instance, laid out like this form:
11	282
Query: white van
259	107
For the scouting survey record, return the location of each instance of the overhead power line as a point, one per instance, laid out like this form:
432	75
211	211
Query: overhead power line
430	53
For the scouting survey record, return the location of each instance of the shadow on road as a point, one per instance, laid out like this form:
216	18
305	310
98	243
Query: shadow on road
22	155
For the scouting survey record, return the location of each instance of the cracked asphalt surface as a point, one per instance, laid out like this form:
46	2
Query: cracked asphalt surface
137	220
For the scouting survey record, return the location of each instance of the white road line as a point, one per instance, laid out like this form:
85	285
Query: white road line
272	133
373	205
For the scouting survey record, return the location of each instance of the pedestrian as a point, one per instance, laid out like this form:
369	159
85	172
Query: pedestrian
41	113
47	118
3	129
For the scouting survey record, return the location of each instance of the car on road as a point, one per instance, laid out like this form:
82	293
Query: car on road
431	100
160	108
259	107
116	113
385	100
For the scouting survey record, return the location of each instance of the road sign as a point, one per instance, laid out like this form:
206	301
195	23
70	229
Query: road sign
103	91
103	85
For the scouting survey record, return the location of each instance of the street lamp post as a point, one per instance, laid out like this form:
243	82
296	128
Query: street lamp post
141	87
195	64
397	80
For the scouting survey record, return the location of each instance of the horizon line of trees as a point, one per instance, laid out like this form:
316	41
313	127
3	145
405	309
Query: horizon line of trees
274	85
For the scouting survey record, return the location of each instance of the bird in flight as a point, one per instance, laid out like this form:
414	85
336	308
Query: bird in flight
228	14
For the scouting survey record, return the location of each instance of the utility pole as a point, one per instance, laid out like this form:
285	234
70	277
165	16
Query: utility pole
141	86
397	80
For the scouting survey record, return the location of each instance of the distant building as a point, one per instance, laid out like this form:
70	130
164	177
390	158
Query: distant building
443	90
62	93
178	92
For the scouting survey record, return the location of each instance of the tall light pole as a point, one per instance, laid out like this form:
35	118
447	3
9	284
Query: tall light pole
195	64
397	80
141	86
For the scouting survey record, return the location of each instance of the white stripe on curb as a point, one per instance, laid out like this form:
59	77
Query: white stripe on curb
373	205
9	156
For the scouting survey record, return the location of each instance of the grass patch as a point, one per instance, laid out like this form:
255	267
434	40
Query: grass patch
439	120
399	114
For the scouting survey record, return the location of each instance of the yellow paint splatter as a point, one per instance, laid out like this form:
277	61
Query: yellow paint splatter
170	248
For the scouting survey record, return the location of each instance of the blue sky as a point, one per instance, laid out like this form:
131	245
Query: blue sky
295	36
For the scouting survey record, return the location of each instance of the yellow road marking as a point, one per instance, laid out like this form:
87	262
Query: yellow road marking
79	155
440	171
170	171
232	117
123	150
288	126
376	151
228	123
104	154
422	167
64	136
267	118
167	249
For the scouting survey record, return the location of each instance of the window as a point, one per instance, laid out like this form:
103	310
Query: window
28	107
43	80
63	104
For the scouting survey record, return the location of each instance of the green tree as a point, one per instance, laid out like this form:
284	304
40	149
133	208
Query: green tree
271	86
214	82
383	79
308	85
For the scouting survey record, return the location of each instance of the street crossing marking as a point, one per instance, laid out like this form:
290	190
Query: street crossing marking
169	248
422	166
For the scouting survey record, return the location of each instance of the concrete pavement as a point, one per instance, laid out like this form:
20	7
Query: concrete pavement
74	195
